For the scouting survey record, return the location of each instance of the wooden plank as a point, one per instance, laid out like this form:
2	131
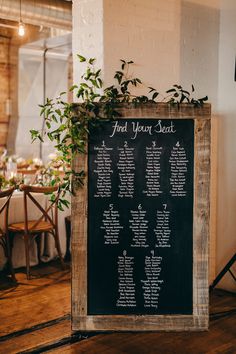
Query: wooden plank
201	218
42	337
140	343
219	339
79	242
199	319
58	338
213	198
31	301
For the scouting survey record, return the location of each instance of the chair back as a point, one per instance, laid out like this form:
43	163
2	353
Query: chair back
49	211
4	208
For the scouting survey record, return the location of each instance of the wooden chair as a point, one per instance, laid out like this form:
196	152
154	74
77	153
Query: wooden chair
4	233
46	223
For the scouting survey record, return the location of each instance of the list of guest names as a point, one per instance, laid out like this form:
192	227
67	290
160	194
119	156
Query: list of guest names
126	169
137	189
103	171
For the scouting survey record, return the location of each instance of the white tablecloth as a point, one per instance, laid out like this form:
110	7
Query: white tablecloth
47	244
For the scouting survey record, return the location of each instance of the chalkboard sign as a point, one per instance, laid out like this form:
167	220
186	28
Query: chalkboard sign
140	212
139	246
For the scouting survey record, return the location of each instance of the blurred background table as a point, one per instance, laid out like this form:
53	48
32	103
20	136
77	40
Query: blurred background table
47	245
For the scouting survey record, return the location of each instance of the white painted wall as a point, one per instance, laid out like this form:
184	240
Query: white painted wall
199	48
87	36
174	41
145	32
226	225
199	43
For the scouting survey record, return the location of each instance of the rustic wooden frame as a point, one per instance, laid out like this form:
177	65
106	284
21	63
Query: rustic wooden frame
200	318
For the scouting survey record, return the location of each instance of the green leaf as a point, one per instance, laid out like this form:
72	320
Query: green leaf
100	82
94	82
178	86
182	98
155	95
47	112
58	111
35	134
42	110
97	73
171	90
84	85
50	136
53	182
81	58
54	118
65	202
151	89
73	87
91	61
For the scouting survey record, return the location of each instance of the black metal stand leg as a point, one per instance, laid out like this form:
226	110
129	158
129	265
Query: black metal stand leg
224	270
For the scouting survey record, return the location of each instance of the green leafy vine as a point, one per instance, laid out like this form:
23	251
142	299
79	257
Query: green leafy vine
69	132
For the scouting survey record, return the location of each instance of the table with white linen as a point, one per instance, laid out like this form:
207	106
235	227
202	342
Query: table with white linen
47	244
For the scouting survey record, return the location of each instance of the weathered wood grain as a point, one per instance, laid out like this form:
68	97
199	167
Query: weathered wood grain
42	337
213	197
201	218
219	339
30	302
57	337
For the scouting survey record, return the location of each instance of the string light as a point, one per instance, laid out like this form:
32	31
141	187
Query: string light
21	26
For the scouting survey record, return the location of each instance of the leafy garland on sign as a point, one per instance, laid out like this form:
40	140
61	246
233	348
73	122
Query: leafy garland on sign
69	132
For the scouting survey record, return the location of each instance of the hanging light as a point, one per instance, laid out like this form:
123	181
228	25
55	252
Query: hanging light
21	29
21	26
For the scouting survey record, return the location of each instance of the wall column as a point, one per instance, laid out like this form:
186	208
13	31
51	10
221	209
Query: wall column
147	33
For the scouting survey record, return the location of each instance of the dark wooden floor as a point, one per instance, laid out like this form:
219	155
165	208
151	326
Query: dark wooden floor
35	318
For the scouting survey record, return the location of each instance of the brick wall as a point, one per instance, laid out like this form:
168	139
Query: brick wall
5	87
